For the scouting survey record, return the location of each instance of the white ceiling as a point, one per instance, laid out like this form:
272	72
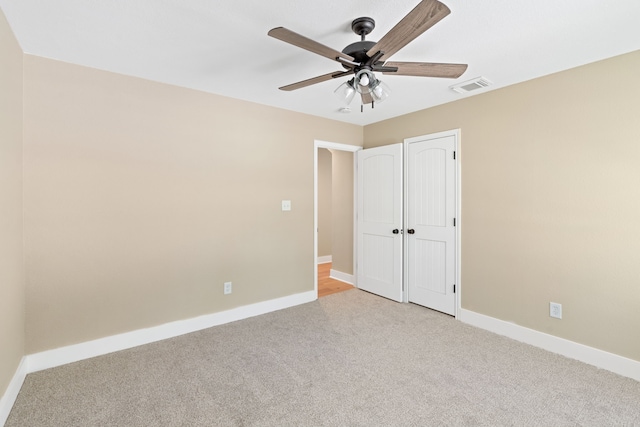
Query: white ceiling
222	47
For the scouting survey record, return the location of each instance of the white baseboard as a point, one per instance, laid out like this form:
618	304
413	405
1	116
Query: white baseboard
325	259
52	358
73	353
10	395
343	277
611	362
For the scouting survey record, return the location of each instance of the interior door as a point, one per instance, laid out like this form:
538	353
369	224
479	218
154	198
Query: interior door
431	210
379	221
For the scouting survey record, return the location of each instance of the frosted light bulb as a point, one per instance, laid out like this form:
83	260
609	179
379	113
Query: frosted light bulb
380	91
364	80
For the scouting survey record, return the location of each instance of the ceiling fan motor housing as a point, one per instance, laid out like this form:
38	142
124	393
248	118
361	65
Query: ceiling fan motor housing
358	50
362	27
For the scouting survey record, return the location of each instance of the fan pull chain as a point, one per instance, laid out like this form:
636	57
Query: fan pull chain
372	106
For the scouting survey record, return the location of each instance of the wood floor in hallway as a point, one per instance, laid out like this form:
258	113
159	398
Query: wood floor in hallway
327	285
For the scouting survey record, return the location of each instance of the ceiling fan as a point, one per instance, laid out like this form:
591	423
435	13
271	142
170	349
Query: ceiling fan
365	57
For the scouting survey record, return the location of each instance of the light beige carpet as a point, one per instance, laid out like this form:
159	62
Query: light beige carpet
349	359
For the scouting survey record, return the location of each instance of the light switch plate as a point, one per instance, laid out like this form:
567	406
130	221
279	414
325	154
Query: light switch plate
286	205
555	310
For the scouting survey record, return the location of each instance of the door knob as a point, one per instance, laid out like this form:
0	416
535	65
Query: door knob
411	231
396	231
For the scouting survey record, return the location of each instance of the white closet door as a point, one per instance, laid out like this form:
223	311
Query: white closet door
379	223
430	230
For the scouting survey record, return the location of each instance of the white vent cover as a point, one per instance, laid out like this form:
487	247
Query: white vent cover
471	85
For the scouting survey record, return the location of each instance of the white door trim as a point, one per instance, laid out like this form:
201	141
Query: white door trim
341	147
457	147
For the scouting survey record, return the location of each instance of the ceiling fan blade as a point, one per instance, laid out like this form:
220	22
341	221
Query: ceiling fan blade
315	80
303	42
424	16
426	69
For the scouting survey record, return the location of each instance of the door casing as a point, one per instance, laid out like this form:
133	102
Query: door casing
317	144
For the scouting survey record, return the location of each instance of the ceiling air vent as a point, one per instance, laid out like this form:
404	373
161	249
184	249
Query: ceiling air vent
471	85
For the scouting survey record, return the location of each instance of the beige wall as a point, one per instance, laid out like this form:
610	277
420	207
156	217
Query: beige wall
342	193
324	202
550	200
141	199
12	310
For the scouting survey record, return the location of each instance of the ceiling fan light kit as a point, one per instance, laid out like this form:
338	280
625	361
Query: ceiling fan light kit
346	92
380	91
364	58
367	83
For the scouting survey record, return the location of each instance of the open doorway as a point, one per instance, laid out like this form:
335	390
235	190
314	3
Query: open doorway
327	285
334	255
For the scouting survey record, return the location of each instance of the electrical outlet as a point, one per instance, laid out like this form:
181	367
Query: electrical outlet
227	288
555	310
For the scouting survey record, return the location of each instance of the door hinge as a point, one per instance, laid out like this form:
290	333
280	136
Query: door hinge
454	155
454	288
454	222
